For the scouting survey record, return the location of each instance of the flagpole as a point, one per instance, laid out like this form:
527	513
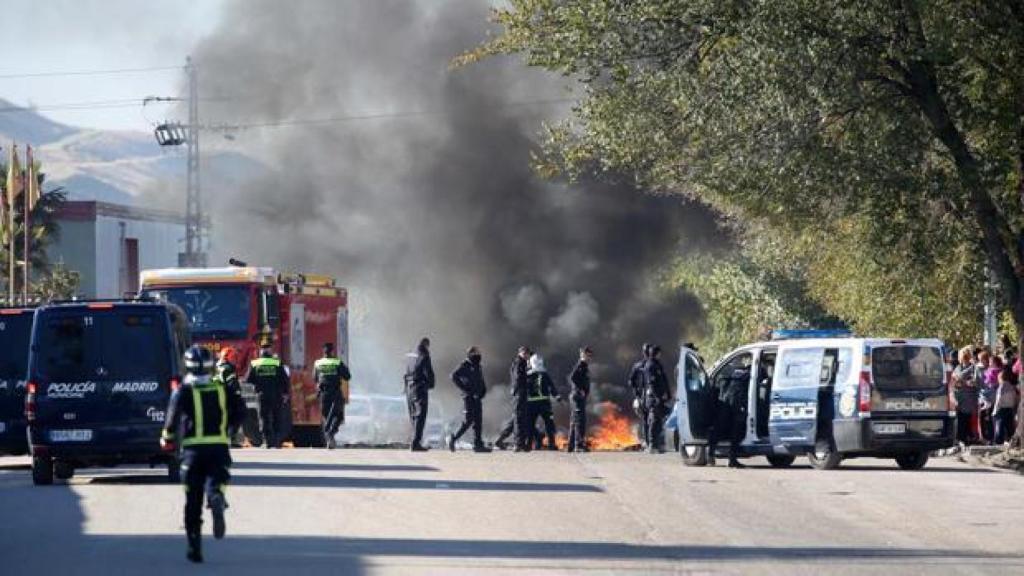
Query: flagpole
12	237
26	194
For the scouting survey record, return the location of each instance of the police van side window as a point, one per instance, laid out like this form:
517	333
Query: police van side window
695	378
799	368
844	367
739	364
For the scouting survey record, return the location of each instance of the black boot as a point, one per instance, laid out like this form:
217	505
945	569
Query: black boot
480	448
195	552
734	463
217	506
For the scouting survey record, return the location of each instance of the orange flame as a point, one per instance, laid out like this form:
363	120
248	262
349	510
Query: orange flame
614	430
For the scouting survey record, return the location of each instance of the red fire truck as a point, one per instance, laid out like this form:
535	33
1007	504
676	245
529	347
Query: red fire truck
245	306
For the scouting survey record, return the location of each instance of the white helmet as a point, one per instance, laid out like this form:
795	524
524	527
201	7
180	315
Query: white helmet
537	364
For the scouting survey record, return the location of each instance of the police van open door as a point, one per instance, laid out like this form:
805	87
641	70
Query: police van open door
793	412
694	405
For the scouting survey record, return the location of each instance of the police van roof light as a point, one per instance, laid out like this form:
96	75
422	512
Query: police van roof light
803	334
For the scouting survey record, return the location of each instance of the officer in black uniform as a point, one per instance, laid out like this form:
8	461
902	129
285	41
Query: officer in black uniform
521	397
518	388
657	396
542	390
635	382
579	382
328	372
419	380
469	379
198	417
271	381
731	416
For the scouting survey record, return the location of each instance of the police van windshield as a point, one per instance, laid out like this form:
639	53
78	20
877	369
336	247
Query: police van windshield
906	367
111	346
15	331
216	312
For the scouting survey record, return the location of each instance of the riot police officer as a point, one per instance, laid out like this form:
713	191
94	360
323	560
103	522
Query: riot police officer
198	415
469	379
271	380
519	389
635	382
329	372
419	380
579	382
656	398
730	416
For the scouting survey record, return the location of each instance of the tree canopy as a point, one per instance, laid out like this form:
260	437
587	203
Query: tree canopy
879	146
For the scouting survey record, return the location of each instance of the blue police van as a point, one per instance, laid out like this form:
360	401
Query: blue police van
823	395
15	331
100	375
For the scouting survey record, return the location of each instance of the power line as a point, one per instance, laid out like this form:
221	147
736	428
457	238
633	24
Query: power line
91	105
88	72
380	116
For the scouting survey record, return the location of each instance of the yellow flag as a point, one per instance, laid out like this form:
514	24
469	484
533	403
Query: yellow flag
12	191
33	193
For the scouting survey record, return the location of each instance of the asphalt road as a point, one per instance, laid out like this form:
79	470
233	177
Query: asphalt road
395	512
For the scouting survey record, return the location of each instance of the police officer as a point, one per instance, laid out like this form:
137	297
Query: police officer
469	379
271	381
521	396
329	372
635	382
542	390
419	380
579	382
731	416
519	389
199	414
657	396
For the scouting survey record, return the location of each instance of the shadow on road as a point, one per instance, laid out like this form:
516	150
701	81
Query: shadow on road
327	466
357	483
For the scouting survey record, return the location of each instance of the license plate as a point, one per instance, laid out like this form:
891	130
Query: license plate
70	435
889	427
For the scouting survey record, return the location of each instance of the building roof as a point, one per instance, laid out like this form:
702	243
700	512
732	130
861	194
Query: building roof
89	210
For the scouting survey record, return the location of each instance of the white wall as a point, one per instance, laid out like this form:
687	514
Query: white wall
159	244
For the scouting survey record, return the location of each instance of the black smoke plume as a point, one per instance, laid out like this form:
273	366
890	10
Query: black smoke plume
424	203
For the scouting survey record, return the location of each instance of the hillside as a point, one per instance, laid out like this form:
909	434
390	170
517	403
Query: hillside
116	166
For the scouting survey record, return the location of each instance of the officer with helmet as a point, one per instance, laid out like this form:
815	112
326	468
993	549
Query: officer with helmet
329	373
227	369
198	417
271	380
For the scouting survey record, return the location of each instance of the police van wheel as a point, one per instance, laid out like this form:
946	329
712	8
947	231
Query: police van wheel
694	455
914	461
63	470
174	471
781	460
42	470
824	456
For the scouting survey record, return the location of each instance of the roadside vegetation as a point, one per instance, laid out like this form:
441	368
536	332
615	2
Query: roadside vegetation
870	154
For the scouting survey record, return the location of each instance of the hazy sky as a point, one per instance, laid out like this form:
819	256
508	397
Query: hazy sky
43	36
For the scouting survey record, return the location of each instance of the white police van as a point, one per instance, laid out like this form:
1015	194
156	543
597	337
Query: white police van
825	395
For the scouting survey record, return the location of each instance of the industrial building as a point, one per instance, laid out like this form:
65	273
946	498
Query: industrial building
108	244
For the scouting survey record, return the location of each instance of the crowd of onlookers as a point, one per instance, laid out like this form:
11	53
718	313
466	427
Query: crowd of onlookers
986	389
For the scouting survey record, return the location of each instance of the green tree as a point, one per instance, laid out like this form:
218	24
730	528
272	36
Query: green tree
58	283
886	138
43	232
